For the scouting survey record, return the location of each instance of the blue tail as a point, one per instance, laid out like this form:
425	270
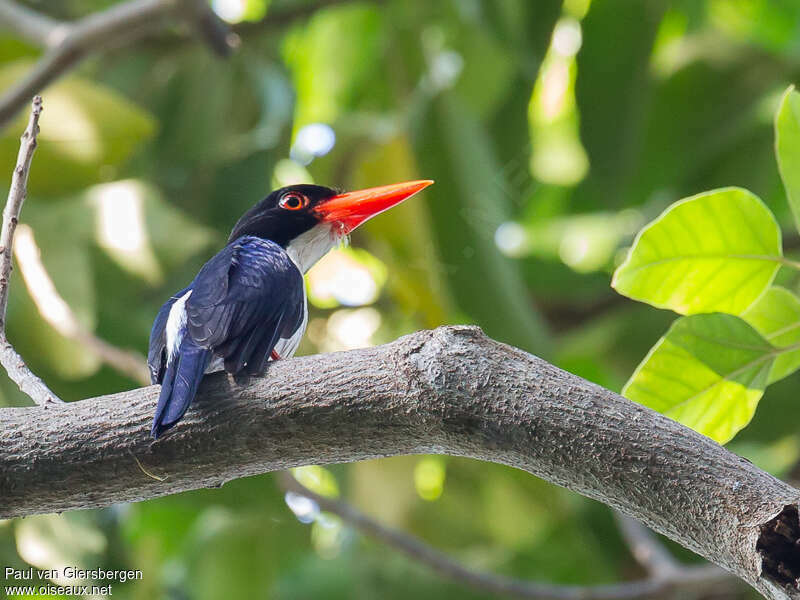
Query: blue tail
179	386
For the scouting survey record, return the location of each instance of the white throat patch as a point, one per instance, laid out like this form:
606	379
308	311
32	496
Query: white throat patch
308	248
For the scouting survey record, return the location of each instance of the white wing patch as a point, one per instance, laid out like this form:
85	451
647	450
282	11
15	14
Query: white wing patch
286	347
176	325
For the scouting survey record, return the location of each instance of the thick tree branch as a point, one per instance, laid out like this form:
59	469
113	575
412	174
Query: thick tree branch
11	361
69	43
694	579
451	391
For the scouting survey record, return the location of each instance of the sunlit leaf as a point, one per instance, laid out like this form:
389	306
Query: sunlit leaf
330	57
776	316
175	235
770	24
717	251
708	372
87	130
787	147
61	230
558	156
585	242
317	479
52	541
236	11
429	477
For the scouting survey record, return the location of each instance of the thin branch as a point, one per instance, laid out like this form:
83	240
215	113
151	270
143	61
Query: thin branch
647	549
682	579
119	24
55	310
451	391
39	29
13	363
216	33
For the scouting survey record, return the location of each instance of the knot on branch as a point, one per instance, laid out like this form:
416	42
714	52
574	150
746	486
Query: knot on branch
426	351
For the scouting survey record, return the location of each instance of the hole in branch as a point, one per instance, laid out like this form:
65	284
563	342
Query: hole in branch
779	547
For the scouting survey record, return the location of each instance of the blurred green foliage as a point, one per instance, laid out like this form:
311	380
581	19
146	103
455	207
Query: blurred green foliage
554	131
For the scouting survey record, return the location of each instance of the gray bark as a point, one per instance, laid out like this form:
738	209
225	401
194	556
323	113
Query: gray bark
450	391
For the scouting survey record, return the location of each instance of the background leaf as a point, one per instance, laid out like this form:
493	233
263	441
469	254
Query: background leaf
776	316
708	372
716	251
87	132
468	203
787	148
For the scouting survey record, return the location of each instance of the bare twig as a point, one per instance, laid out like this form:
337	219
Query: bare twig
55	310
681	578
69	43
13	363
647	549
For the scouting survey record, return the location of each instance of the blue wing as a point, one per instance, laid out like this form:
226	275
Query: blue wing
241	303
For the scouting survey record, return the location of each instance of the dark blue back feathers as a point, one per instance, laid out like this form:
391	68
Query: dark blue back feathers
242	302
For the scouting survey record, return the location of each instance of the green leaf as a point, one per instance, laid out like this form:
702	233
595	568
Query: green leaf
772	25
328	68
86	131
614	66
776	316
714	252
708	372
467	205
787	148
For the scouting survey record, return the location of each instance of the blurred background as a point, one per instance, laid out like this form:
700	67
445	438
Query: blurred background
553	131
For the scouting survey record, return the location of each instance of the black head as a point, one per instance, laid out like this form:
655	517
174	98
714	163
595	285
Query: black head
285	214
293	210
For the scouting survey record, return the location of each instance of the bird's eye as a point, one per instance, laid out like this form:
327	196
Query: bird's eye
293	201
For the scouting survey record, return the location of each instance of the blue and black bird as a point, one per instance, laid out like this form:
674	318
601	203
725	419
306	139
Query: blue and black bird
247	304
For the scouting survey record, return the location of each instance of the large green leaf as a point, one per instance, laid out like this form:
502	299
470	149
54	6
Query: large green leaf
708	372
776	316
714	252
787	147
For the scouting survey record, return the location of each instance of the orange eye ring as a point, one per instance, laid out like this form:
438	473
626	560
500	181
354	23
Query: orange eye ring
293	201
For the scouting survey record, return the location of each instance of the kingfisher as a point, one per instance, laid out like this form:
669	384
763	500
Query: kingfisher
247	305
